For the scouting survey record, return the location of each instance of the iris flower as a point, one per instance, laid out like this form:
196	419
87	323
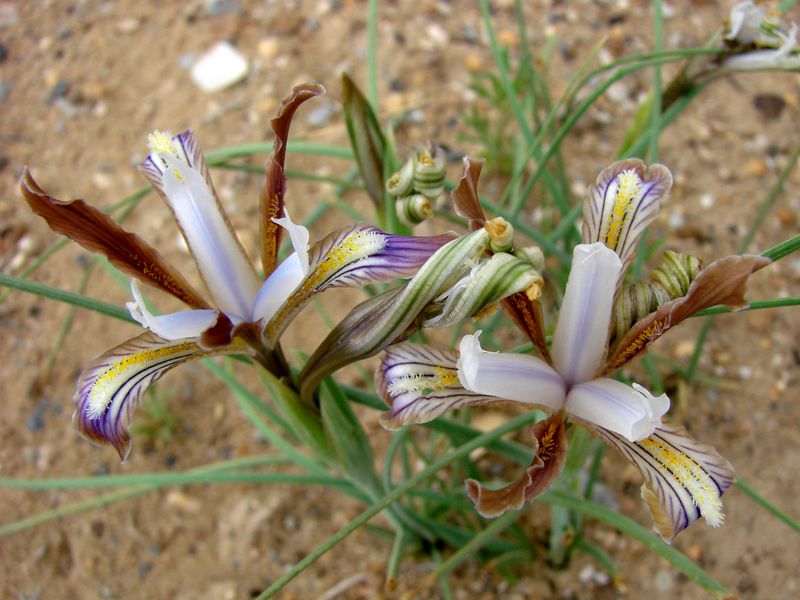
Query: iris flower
245	313
683	479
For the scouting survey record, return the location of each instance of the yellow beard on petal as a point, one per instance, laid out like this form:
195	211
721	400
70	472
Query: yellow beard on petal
691	476
628	187
109	380
441	378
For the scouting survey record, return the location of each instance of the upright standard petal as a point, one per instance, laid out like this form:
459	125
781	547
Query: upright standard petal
622	203
549	456
174	326
419	383
631	412
722	282
97	232
226	270
683	479
581	335
465	195
518	377
110	388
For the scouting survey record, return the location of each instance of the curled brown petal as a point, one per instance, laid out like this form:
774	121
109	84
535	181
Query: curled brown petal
274	190
99	233
527	314
465	195
550	453
722	282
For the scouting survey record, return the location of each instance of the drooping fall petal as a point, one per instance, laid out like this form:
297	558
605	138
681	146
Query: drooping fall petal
272	194
581	335
620	205
110	388
683	479
97	232
419	382
354	256
722	282
550	453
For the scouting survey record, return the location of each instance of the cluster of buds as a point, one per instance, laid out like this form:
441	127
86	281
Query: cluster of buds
419	182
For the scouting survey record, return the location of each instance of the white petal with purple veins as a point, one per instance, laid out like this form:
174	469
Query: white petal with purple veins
511	376
629	411
227	272
299	237
581	335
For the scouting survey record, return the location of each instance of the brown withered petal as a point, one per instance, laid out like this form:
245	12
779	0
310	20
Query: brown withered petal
550	453
99	233
527	314
722	282
465	195
274	190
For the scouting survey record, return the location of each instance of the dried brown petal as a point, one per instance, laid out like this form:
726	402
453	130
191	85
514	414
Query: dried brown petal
550	453
274	190
722	282
99	233
465	196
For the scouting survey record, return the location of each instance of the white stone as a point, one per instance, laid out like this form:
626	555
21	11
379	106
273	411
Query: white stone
219	68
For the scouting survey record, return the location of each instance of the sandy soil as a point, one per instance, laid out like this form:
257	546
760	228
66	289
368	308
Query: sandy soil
81	85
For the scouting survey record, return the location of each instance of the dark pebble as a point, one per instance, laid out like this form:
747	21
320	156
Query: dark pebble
36	421
769	106
5	90
3	161
397	85
3	53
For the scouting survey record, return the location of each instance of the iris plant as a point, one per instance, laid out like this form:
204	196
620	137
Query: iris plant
683	479
245	312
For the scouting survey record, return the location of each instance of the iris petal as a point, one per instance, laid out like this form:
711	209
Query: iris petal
518	377
581	335
173	326
629	411
683	479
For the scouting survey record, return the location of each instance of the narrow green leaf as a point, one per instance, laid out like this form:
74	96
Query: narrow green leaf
366	138
347	437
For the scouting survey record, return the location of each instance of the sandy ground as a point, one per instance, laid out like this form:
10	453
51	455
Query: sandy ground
81	85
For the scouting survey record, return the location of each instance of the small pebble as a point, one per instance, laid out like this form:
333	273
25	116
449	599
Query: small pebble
59	90
219	68
5	90
3	53
664	581
36	421
128	25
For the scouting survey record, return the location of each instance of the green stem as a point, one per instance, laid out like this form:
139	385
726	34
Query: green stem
768	506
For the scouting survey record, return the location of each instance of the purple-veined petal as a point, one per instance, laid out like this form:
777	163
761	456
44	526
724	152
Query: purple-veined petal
631	412
781	57
549	456
581	335
623	201
110	388
229	276
683	479
355	256
223	264
517	377
174	326
419	382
